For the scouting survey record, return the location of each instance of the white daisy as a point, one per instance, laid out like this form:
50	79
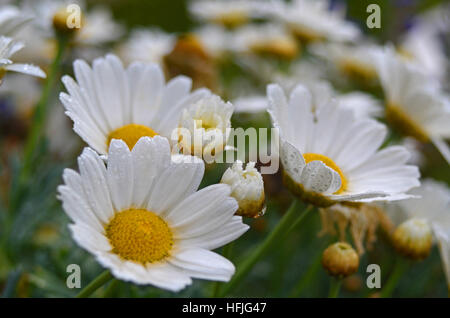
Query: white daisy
215	40
147	45
414	103
355	61
311	20
8	47
431	210
143	218
12	19
109	102
98	27
362	104
265	39
423	46
230	13
328	156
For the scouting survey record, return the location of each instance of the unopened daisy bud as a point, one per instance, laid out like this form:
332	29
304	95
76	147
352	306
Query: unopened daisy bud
413	239
66	21
247	188
204	127
340	259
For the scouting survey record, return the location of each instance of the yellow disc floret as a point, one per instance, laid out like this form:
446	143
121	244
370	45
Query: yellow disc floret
330	164
139	235
131	134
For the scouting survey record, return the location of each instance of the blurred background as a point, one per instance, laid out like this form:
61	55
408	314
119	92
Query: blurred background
36	245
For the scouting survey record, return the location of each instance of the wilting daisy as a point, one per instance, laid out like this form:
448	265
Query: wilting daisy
147	45
311	20
109	102
12	19
420	217
247	187
415	106
143	218
266	39
8	47
204	127
328	156
229	13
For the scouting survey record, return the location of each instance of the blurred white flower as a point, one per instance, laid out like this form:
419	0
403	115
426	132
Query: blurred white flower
362	104
146	45
229	13
8	47
265	39
312	20
415	105
143	218
329	156
351	60
12	19
430	208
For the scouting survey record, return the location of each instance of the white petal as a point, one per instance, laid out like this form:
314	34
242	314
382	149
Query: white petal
203	264
26	69
292	160
120	175
316	176
227	233
89	238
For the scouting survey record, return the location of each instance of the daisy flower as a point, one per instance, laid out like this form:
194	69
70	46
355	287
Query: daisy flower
229	13
215	40
354	61
428	213
109	102
143	218
328	156
12	19
147	45
8	47
423	46
415	106
266	39
311	20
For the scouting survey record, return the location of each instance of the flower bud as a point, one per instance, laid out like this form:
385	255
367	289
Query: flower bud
247	187
65	22
340	259
413	239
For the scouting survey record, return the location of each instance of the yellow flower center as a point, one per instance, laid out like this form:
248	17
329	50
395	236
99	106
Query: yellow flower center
231	19
330	164
404	123
306	35
139	235
131	134
357	70
282	47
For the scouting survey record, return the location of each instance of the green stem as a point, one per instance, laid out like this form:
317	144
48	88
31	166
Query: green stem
98	282
335	286
41	110
278	233
225	253
308	276
111	288
394	278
